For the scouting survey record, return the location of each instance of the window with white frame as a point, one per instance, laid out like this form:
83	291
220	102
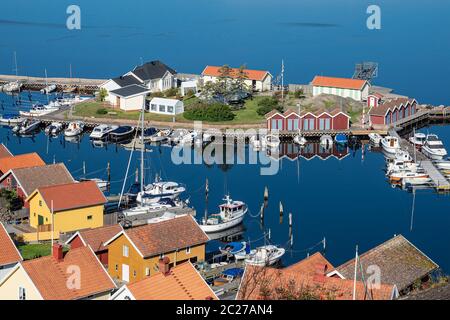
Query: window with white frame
188	250
147	271
126	251
162	108
153	107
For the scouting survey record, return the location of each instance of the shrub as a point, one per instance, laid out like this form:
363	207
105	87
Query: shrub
209	112
170	92
267	104
102	111
102	94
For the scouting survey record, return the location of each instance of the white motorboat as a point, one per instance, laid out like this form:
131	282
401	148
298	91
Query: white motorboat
272	141
264	256
158	190
160	136
231	214
403	156
203	137
162	205
189	138
397	165
418	139
415	181
326	140
101	184
390	144
102	131
48	89
39	110
177	135
299	139
11	118
28	126
375	138
71	99
433	148
397	176
443	164
74	129
54	128
12	86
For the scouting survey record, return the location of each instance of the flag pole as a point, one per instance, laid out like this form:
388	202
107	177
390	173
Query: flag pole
53	225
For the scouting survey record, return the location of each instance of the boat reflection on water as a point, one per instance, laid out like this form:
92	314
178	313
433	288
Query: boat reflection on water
309	151
74	139
229	235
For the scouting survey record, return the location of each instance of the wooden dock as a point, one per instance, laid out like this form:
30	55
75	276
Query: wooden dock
81	85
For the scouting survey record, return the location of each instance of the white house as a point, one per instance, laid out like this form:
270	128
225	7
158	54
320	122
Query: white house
258	80
343	87
154	75
129	98
190	85
166	106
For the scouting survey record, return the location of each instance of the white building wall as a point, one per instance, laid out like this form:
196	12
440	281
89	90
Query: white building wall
9	290
110	85
357	95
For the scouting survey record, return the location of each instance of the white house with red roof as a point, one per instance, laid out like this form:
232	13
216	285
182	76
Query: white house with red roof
347	88
9	255
258	80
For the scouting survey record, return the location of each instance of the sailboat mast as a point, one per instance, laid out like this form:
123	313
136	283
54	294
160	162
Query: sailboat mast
354	278
143	146
15	63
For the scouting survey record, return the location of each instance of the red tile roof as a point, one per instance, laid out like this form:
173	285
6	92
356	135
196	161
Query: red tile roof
4	152
182	283
167	236
257	75
72	195
8	251
51	277
96	237
309	265
280	284
343	83
20	161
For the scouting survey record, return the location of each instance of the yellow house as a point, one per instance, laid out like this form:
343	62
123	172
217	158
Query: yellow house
54	277
75	206
134	254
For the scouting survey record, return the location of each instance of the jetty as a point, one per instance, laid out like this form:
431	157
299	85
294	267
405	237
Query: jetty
82	85
440	183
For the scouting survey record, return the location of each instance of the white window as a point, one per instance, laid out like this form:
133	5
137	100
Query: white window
162	108
153	107
125	251
170	109
22	294
147	271
188	250
161	255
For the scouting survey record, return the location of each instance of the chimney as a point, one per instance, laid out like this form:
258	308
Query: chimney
164	266
321	271
58	252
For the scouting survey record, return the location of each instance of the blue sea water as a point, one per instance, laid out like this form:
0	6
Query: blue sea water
348	201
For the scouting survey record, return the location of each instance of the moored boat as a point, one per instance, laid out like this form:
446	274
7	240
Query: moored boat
54	128
11	118
158	190
102	131
341	139
121	133
418	139
29	125
390	144
375	138
326	140
231	214
74	129
264	256
272	141
433	148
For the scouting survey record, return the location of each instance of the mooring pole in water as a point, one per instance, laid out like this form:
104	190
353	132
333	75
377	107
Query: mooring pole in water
84	168
261	213
324	244
266	194
136	175
290	225
108	170
206	199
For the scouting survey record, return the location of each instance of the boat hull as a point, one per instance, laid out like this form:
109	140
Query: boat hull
222	226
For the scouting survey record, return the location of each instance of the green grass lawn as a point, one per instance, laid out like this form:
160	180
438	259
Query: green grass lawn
32	251
89	109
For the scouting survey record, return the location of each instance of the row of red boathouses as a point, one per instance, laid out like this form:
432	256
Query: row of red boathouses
392	111
291	120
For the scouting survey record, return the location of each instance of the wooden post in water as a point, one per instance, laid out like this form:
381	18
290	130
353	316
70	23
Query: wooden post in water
108	170
84	168
206	199
137	175
266	194
261	213
290	225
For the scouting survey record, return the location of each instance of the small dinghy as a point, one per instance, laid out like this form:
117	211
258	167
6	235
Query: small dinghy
48	89
102	131
234	248
326	140
228	275
299	139
74	129
27	126
264	256
257	142
148	134
177	134
341	139
161	136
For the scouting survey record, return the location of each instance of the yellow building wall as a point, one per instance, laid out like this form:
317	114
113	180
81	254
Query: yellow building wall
65	221
138	264
9	290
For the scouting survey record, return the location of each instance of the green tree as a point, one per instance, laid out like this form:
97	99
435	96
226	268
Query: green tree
102	94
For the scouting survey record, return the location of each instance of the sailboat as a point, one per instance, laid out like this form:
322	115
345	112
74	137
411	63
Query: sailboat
299	139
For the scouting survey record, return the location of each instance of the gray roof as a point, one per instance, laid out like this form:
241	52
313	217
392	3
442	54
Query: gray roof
42	176
439	292
124	81
400	263
152	70
130	90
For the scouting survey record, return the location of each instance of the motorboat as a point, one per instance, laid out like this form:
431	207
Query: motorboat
418	139
397	165
299	139
403	156
228	276
39	110
101	184
27	126
375	138
326	140
163	204
13	86
341	139
415	181
189	138
257	142
121	133
442	164
158	190
264	256
177	134
54	128
160	136
231	214
102	131
433	148
272	141
48	89
390	144
148	133
397	176
74	129
234	248
203	137
11	118
71	99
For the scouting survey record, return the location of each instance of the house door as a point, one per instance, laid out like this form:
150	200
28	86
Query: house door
125	272
40	220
